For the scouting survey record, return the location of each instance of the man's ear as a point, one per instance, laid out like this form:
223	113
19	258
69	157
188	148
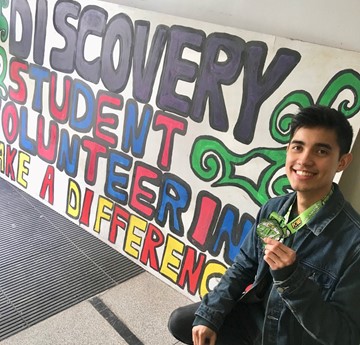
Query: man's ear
344	161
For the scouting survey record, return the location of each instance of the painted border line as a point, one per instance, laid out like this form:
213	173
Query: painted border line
115	322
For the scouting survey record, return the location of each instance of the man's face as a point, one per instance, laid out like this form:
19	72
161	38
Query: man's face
312	161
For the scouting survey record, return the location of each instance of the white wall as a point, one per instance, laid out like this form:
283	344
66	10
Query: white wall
326	22
349	182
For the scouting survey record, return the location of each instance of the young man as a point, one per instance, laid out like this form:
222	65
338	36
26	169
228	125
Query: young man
302	256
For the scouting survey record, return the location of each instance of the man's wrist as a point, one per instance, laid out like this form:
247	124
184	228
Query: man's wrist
284	273
203	322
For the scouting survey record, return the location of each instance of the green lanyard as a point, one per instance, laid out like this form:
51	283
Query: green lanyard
278	227
302	219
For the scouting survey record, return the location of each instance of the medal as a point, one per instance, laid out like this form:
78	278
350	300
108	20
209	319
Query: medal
272	228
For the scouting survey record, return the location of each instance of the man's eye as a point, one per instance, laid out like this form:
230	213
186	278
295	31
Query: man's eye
322	152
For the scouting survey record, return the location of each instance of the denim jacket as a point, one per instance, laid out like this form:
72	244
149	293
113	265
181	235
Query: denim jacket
319	302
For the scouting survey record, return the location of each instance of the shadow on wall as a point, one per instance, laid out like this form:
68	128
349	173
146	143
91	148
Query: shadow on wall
349	182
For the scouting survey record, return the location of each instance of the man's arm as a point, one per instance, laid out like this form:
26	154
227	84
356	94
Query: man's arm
333	322
219	302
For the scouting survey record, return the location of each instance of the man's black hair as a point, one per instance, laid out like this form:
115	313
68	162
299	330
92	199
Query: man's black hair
325	117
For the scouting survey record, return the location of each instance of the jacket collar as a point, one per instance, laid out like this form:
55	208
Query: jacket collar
325	215
328	212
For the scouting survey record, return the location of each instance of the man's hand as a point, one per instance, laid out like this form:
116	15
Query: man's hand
277	255
203	335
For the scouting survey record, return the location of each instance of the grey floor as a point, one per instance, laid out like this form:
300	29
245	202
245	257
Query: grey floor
142	303
61	285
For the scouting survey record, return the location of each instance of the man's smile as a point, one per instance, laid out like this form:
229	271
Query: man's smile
303	173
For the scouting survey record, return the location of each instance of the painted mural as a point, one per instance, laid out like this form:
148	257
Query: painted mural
160	135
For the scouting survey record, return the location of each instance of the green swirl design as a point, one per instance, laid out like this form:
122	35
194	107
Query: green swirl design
344	80
4	32
280	124
211	160
3	72
4	26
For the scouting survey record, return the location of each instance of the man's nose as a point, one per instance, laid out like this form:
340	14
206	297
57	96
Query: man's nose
306	158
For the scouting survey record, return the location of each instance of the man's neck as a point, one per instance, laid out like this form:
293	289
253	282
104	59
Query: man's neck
302	204
305	200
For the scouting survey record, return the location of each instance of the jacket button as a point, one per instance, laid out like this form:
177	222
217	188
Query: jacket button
280	290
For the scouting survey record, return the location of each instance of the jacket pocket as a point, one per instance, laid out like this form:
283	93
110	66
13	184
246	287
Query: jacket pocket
322	278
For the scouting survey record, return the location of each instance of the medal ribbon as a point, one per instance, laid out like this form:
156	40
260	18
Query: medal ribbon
302	219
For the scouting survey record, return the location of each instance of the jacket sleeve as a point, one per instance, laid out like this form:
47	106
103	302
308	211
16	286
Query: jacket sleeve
220	301
333	322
